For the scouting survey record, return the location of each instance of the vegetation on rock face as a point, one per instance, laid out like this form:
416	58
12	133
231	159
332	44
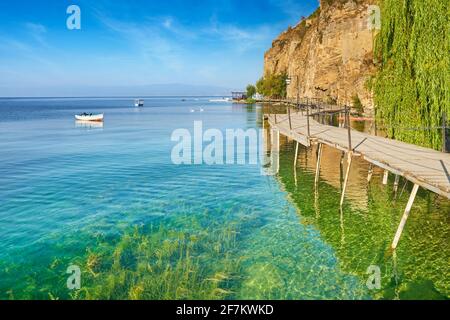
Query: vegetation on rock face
411	87
272	86
339	3
357	105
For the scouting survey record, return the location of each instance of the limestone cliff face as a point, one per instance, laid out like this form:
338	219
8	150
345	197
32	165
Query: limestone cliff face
331	53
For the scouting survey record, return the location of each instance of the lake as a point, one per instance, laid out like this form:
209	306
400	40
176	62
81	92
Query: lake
108	199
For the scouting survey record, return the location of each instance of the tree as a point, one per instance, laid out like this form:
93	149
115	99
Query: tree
251	90
260	86
273	86
357	104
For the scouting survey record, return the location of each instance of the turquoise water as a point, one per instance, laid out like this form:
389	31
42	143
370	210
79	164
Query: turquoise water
72	193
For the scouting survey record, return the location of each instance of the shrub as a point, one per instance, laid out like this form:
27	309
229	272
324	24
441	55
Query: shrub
357	105
251	90
273	86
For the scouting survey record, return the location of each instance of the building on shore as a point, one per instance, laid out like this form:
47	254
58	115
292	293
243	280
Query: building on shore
239	95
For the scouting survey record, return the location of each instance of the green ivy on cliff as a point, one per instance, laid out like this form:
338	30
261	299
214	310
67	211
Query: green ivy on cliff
411	87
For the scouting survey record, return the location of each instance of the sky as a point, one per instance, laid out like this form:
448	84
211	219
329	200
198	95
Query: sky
127	46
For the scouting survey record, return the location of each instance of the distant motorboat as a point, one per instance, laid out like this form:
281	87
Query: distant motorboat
221	100
139	103
89	117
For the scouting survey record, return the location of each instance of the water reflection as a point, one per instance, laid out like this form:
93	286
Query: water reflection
89	124
363	229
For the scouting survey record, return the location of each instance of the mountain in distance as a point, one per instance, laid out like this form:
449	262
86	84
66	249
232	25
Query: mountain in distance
173	89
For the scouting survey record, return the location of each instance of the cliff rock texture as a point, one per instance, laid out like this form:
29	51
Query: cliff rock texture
330	53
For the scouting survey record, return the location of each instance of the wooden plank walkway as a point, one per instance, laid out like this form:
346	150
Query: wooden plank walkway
427	168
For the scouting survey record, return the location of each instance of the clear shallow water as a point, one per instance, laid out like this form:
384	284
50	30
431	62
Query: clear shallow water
70	193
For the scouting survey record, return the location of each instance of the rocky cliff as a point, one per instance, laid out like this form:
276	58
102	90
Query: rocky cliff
330	53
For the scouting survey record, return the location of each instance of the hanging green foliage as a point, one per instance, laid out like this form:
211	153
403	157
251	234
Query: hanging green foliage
411	87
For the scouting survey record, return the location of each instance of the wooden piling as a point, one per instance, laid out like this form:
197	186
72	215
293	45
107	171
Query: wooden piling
296	153
342	157
349	129
370	173
405	216
307	121
396	182
341	169
385	177
289	115
319	157
347	173
276	151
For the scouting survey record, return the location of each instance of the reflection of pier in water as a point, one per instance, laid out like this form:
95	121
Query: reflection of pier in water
361	232
330	170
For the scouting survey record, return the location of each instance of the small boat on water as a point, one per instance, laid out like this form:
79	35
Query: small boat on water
89	117
139	102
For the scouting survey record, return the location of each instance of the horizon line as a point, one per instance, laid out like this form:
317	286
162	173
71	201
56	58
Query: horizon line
112	96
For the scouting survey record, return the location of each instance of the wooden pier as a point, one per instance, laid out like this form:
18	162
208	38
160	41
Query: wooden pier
424	167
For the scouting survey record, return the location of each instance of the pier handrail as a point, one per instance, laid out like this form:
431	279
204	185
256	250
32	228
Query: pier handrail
323	107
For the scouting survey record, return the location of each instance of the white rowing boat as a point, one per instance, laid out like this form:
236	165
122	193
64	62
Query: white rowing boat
89	117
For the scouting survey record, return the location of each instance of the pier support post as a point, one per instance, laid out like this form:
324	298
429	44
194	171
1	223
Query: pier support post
296	153
289	115
396	182
319	157
277	137
370	174
347	173
349	128
341	169
385	177
307	121
275	151
405	216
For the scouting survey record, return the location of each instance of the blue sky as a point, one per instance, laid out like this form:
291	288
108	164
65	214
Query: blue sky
138	43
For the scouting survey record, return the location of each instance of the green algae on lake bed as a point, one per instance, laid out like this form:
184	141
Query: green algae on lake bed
362	232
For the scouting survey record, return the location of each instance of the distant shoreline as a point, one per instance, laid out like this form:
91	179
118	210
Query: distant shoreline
117	97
